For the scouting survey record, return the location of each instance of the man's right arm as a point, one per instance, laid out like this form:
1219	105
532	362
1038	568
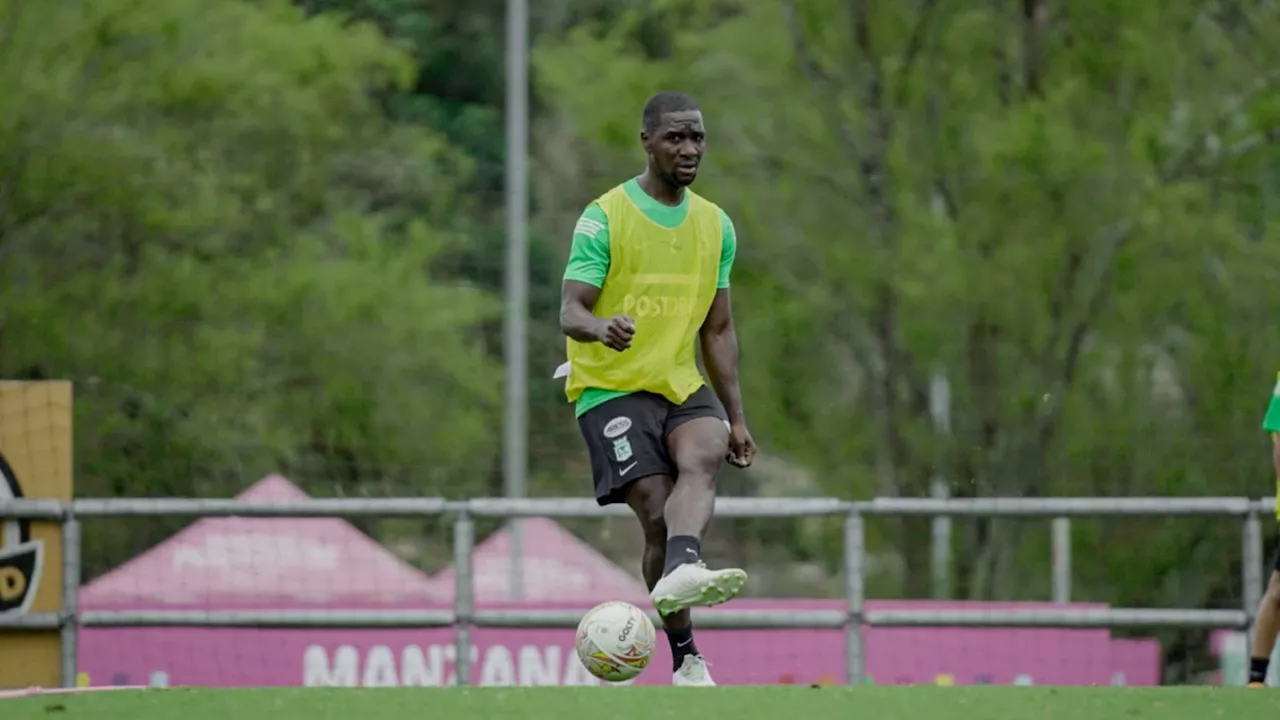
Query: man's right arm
576	318
584	276
1275	461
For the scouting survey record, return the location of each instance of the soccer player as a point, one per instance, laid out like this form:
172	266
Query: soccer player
1265	625
648	274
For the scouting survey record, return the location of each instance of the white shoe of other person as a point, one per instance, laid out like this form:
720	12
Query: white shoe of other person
694	585
693	673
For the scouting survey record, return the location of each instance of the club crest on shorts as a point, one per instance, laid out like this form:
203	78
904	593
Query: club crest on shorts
622	449
617	426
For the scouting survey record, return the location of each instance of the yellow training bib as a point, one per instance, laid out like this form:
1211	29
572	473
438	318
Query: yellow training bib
666	280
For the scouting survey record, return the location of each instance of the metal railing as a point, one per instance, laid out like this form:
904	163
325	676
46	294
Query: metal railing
464	616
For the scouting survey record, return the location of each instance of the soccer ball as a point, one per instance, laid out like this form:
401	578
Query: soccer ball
615	641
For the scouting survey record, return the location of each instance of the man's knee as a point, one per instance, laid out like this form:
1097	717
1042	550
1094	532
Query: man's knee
654	522
648	499
699	447
1272	595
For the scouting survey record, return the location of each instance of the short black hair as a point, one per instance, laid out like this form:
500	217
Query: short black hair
666	102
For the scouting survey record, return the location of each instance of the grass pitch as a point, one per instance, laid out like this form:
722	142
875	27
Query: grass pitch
648	703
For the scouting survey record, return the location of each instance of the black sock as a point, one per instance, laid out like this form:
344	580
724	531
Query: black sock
681	550
681	646
1258	669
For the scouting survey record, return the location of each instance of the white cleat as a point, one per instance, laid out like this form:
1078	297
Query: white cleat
693	585
693	673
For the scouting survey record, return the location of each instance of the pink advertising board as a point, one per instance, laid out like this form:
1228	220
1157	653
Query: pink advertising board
248	562
960	656
326	563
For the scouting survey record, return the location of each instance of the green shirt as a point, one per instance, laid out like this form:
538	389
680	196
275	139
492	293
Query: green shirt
1271	421
589	256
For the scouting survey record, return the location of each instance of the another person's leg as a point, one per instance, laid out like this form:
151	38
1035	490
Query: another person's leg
1265	627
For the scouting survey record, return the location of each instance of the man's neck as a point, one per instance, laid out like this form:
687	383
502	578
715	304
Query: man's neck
658	189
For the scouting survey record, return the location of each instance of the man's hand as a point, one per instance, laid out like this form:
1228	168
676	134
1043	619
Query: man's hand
616	332
742	449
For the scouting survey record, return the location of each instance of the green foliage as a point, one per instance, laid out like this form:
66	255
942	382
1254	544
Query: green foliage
1055	207
457	50
269	236
210	225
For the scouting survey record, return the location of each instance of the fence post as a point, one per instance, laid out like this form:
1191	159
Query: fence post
1061	562
1251	572
940	551
464	540
854	572
69	652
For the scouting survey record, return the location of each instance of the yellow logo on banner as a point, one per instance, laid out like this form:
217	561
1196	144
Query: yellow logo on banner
35	463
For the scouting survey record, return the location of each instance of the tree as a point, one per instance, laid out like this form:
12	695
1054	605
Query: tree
1054	206
207	222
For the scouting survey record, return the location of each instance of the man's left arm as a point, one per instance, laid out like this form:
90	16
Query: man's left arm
720	352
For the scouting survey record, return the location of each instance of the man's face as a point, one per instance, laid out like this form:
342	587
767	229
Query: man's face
677	146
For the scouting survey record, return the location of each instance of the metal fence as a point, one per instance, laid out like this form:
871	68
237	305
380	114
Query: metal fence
464	616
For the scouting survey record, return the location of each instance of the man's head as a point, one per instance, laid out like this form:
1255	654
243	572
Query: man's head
673	136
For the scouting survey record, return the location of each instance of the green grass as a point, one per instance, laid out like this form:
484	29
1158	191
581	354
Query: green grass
728	703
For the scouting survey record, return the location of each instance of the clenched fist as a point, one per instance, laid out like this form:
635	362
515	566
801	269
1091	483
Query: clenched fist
616	332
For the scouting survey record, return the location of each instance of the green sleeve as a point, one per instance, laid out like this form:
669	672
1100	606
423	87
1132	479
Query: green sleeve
1271	421
728	250
589	254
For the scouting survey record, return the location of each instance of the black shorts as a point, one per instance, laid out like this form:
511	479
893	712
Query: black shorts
1275	564
627	437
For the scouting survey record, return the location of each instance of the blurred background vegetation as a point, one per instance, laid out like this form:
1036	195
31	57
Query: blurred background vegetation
268	236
